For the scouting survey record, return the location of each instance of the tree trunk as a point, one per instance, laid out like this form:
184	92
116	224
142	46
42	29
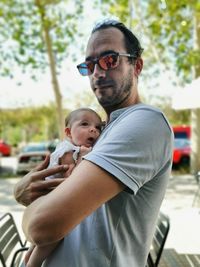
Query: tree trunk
52	64
195	113
195	126
55	84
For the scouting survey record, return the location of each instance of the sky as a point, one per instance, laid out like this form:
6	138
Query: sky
40	92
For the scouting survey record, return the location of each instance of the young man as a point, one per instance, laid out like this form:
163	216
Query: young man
106	210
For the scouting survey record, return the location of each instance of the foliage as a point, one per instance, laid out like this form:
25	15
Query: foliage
39	123
168	30
36	35
28	124
22	36
175	117
170	35
171	25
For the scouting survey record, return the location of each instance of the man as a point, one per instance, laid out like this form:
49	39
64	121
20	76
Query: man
107	209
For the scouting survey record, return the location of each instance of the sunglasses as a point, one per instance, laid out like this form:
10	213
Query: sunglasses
106	62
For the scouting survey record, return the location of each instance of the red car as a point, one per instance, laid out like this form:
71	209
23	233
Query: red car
182	131
5	149
182	152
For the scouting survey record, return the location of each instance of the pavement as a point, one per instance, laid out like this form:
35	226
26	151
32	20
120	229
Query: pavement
184	234
184	214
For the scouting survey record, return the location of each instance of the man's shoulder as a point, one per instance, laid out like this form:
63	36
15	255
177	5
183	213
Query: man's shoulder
136	110
144	107
140	117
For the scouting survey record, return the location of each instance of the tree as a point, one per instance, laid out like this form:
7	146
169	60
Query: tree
36	35
171	32
28	124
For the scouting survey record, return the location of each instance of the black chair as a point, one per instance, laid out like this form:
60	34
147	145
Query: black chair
11	245
159	239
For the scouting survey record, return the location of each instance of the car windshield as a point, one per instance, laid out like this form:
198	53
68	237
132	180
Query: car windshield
181	142
35	147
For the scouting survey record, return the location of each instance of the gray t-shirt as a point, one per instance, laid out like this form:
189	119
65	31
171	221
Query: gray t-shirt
136	148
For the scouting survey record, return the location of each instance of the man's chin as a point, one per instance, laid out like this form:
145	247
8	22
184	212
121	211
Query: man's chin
104	102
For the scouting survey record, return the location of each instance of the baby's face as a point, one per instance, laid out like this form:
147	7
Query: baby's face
86	129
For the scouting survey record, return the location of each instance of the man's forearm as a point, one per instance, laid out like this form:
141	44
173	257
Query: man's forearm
67	205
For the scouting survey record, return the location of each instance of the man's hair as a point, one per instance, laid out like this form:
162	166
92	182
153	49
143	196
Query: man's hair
132	43
73	116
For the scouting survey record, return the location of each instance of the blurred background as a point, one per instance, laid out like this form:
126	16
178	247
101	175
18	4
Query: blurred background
42	41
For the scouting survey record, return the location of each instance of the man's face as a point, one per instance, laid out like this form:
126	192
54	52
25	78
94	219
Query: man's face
113	87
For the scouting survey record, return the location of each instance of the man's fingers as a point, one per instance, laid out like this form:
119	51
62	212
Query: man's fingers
44	164
45	185
34	184
40	175
43	173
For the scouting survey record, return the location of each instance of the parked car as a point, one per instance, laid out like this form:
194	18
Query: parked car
32	155
182	131
5	149
182	152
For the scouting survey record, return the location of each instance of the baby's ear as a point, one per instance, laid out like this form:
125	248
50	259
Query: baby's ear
68	132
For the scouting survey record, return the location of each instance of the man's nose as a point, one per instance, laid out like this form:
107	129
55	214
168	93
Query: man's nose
98	72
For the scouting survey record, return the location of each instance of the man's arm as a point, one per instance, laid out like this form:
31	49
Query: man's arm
86	189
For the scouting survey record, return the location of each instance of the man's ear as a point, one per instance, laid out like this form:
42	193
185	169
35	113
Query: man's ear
68	132
138	66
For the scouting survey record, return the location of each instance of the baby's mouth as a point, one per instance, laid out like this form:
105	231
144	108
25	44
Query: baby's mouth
91	140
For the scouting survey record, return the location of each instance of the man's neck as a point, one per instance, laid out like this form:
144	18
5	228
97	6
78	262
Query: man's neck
127	103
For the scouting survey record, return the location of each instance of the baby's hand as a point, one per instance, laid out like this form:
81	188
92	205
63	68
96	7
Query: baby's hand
83	151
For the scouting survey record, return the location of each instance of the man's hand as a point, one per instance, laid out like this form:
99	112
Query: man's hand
28	254
34	185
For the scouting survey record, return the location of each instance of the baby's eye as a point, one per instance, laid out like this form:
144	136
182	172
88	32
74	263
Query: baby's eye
84	123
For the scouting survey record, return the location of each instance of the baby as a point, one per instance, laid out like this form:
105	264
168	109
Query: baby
82	127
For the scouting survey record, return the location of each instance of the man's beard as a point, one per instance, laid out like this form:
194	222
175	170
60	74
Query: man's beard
118	95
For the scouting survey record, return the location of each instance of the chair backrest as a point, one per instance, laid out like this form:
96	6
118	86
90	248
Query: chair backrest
159	239
10	239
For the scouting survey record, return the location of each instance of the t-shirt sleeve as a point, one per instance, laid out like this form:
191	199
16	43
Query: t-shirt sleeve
134	148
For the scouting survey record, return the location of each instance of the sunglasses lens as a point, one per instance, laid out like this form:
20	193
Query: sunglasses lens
105	62
90	66
109	61
85	69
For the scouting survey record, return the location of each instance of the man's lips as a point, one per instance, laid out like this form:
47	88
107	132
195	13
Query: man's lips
102	86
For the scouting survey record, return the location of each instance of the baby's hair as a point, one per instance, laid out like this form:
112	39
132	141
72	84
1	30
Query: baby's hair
72	116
